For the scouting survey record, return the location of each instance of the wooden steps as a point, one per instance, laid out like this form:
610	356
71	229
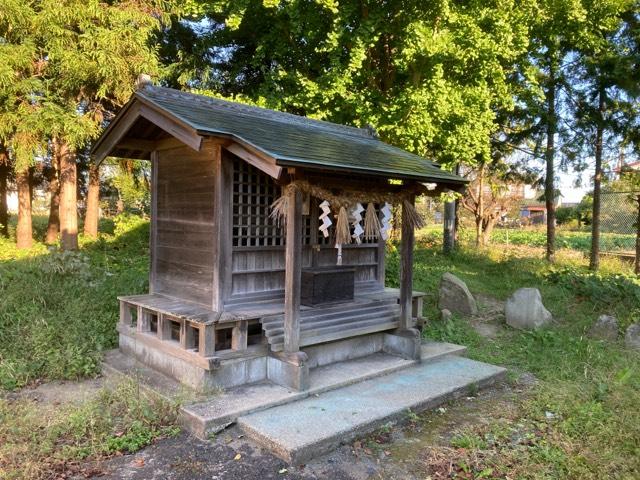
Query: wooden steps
335	322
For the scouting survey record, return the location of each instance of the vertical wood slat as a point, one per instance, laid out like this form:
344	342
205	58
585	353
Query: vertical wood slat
293	273
183	333
380	258
153	236
125	313
164	327
406	269
239	335
190	339
222	224
314	213
207	340
144	321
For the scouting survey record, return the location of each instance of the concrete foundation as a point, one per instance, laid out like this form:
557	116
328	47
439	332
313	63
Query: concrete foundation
340	351
405	343
229	373
289	370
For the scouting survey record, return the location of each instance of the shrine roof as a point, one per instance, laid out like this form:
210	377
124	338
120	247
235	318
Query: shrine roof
293	140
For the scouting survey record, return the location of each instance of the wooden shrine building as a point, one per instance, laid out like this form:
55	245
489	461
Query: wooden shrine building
261	266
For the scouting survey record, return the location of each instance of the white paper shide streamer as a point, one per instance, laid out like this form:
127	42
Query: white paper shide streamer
356	223
385	223
324	218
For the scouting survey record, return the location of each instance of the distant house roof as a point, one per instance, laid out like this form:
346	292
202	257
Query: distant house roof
292	140
534	208
629	166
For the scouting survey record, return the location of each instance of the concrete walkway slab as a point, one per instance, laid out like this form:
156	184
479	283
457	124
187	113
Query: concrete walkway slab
216	413
308	428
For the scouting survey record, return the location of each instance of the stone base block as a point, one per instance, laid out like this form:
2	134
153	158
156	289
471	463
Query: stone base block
405	343
289	370
343	350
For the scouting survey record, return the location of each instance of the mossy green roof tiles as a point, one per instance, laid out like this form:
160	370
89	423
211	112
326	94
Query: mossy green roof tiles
295	140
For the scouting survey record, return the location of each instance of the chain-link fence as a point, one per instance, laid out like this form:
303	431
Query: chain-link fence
618	220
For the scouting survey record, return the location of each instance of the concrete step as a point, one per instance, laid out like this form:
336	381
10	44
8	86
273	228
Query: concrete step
307	428
204	417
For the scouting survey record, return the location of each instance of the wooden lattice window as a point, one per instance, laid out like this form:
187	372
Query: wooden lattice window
253	193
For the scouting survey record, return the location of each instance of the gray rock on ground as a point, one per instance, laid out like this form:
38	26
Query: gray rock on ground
605	328
524	310
455	296
445	315
632	337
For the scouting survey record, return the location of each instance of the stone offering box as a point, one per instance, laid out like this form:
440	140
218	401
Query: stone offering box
322	285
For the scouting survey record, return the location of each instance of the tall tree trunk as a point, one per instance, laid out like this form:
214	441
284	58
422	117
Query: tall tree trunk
24	231
480	209
93	202
549	186
637	264
487	230
594	261
53	226
68	198
448	231
4	180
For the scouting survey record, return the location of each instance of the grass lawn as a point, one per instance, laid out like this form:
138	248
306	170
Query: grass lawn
58	312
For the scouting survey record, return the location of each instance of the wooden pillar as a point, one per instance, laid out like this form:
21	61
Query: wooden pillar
125	313
164	327
380	256
222	230
239	335
144	322
406	270
207	340
153	233
293	265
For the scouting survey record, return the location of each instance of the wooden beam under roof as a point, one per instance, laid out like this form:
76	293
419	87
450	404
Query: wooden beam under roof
185	134
116	132
258	159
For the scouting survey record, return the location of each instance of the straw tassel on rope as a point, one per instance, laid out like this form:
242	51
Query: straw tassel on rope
371	223
343	233
415	220
279	210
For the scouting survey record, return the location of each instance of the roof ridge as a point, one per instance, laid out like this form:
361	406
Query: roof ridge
252	110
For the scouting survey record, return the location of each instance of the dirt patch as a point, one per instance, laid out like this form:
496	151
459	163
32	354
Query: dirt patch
227	456
59	392
489	322
414	450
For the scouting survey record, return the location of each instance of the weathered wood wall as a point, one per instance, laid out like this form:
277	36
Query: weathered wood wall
182	228
184	232
257	269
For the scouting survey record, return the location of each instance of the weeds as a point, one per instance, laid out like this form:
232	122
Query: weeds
58	310
40	441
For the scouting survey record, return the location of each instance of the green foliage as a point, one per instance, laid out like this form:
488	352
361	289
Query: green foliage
37	441
58	311
582	420
66	65
620	291
565	215
126	223
430	79
567	239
